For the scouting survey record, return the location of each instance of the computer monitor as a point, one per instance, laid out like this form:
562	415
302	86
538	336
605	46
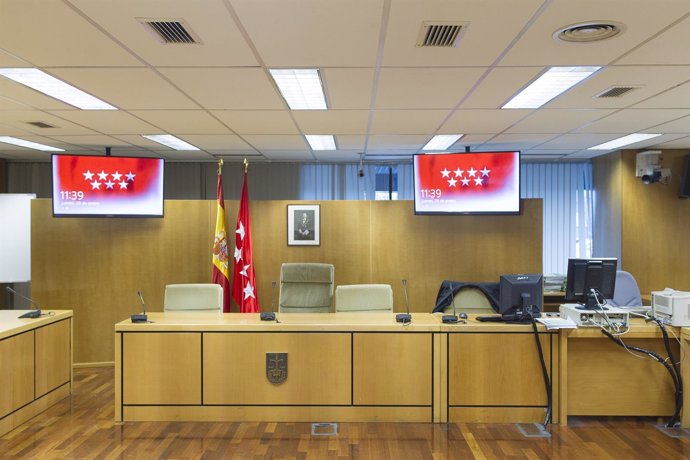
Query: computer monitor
521	296
590	281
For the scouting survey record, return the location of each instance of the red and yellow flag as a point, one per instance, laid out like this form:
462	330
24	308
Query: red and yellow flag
220	271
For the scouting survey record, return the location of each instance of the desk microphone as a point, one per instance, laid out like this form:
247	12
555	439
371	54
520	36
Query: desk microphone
404	318
141	318
454	317
31	314
270	316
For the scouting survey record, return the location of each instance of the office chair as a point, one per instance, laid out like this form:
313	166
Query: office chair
626	292
470	300
306	288
364	297
193	297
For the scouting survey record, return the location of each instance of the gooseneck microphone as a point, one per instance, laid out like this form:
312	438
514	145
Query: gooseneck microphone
404	318
270	316
140	318
454	317
31	314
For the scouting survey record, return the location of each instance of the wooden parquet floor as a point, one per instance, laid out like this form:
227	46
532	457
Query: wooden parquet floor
82	427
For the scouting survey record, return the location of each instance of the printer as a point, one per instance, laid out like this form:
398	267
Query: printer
672	306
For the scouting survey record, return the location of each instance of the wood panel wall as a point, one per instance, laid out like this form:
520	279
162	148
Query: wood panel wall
95	266
655	231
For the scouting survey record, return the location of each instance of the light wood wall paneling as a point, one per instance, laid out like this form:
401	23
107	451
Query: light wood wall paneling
95	266
655	242
16	372
425	249
53	363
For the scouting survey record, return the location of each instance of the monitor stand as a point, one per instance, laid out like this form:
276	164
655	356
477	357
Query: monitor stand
592	304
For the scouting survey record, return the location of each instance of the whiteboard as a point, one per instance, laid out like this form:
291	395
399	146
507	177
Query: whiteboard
15	237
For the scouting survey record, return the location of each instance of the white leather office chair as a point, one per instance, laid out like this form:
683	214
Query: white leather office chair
364	297
193	297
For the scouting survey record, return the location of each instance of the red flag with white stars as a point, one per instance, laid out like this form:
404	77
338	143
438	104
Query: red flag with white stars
244	281
475	182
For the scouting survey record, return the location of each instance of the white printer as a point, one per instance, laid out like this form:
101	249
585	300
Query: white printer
672	306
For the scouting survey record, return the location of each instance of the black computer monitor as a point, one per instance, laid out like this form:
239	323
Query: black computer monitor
590	281
522	296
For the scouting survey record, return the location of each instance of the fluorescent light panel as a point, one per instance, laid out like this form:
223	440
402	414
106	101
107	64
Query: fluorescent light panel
170	141
29	144
58	89
301	88
625	140
552	83
321	142
442	141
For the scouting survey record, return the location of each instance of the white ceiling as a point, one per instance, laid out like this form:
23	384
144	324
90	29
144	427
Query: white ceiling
387	97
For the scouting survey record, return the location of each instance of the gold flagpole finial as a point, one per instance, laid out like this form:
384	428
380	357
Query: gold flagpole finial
246	165
220	165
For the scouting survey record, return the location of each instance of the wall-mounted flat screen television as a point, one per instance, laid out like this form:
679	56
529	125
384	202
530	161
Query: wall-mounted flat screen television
105	186
467	183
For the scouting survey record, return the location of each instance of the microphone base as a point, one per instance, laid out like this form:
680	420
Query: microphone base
267	316
139	318
449	319
31	314
403	318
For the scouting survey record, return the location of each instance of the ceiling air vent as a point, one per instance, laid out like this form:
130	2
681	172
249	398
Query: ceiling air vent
440	34
616	91
586	32
40	124
170	31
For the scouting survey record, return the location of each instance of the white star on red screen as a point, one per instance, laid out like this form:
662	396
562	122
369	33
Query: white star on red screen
88	175
109	184
445	172
123	185
485	172
465	182
452	182
478	181
102	175
116	176
472	172
458	172
95	185
240	231
130	176
248	291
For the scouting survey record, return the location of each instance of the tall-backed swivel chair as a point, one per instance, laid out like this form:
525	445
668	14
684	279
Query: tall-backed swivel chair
364	297
193	297
626	292
306	288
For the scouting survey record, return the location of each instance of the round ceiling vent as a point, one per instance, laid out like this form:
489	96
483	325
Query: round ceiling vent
588	32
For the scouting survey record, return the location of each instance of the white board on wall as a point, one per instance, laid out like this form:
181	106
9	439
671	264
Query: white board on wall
15	237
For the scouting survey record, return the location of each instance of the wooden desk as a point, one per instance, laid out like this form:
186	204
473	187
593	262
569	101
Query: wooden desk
213	367
35	365
602	378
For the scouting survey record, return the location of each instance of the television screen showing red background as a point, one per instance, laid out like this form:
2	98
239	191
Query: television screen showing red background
107	186
467	183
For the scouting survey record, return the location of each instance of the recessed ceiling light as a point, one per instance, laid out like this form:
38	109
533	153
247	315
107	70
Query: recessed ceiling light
301	88
586	32
170	141
552	83
58	89
442	141
321	142
29	144
625	140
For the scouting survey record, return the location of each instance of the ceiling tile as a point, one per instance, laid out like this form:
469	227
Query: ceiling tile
633	120
670	47
19	119
337	155
557	121
257	121
499	86
348	88
346	142
277	142
105	121
674	98
407	121
288	155
332	121
182	122
401	141
483	121
216	142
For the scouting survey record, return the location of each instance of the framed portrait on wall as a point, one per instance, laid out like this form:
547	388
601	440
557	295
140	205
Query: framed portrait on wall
304	225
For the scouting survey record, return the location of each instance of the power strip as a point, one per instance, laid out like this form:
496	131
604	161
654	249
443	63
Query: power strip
595	318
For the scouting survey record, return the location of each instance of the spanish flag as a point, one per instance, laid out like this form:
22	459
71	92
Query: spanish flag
220	272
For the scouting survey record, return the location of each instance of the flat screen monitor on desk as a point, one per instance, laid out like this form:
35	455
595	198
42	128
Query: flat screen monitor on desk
521	297
590	281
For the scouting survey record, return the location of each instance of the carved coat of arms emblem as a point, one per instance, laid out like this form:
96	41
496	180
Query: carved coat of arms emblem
276	367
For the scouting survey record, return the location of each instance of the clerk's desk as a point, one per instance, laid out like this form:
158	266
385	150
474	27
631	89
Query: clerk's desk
35	364
366	367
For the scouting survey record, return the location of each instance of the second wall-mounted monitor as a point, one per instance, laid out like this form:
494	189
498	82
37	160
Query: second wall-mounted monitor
467	183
